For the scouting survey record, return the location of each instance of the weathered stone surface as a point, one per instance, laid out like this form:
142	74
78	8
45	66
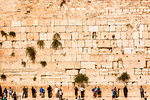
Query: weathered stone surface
98	39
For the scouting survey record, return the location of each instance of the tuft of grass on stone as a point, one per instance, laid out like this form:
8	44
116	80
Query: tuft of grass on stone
4	34
81	78
124	77
31	52
12	33
23	63
41	44
3	77
43	63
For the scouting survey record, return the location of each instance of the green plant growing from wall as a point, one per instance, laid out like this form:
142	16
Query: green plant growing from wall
56	44
124	77
4	34
41	44
3	77
81	78
13	34
43	63
31	52
23	63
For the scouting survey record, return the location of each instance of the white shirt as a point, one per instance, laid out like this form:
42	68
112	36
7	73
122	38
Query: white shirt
82	89
56	90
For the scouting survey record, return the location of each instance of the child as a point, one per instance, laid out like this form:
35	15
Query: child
79	98
145	96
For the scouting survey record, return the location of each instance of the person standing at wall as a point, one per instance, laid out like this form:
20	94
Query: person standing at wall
33	92
41	92
125	90
10	92
49	89
56	91
142	92
60	94
5	92
76	92
24	92
113	94
99	92
94	92
82	91
15	96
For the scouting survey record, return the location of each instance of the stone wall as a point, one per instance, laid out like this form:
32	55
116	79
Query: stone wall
101	38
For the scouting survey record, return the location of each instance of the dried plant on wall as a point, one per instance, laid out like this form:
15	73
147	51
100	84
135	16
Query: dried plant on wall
3	77
56	44
40	44
23	63
43	63
129	26
13	34
4	34
62	3
13	54
31	52
124	77
81	78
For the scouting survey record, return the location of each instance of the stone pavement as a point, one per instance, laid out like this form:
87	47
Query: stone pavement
86	98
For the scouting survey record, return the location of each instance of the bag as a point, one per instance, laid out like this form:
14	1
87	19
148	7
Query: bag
62	93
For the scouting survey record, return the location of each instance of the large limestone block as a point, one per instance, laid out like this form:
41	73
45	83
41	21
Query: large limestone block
147	43
15	23
128	50
74	43
103	71
123	35
88	64
85	57
74	35
106	28
43	36
30	36
118	28
88	43
72	72
75	21
93	29
66	36
27	29
104	50
68	65
67	43
79	28
7	44
35	22
92	72
91	21
112	28
125	43
86	50
59	29
71	28
44	29
80	43
103	35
